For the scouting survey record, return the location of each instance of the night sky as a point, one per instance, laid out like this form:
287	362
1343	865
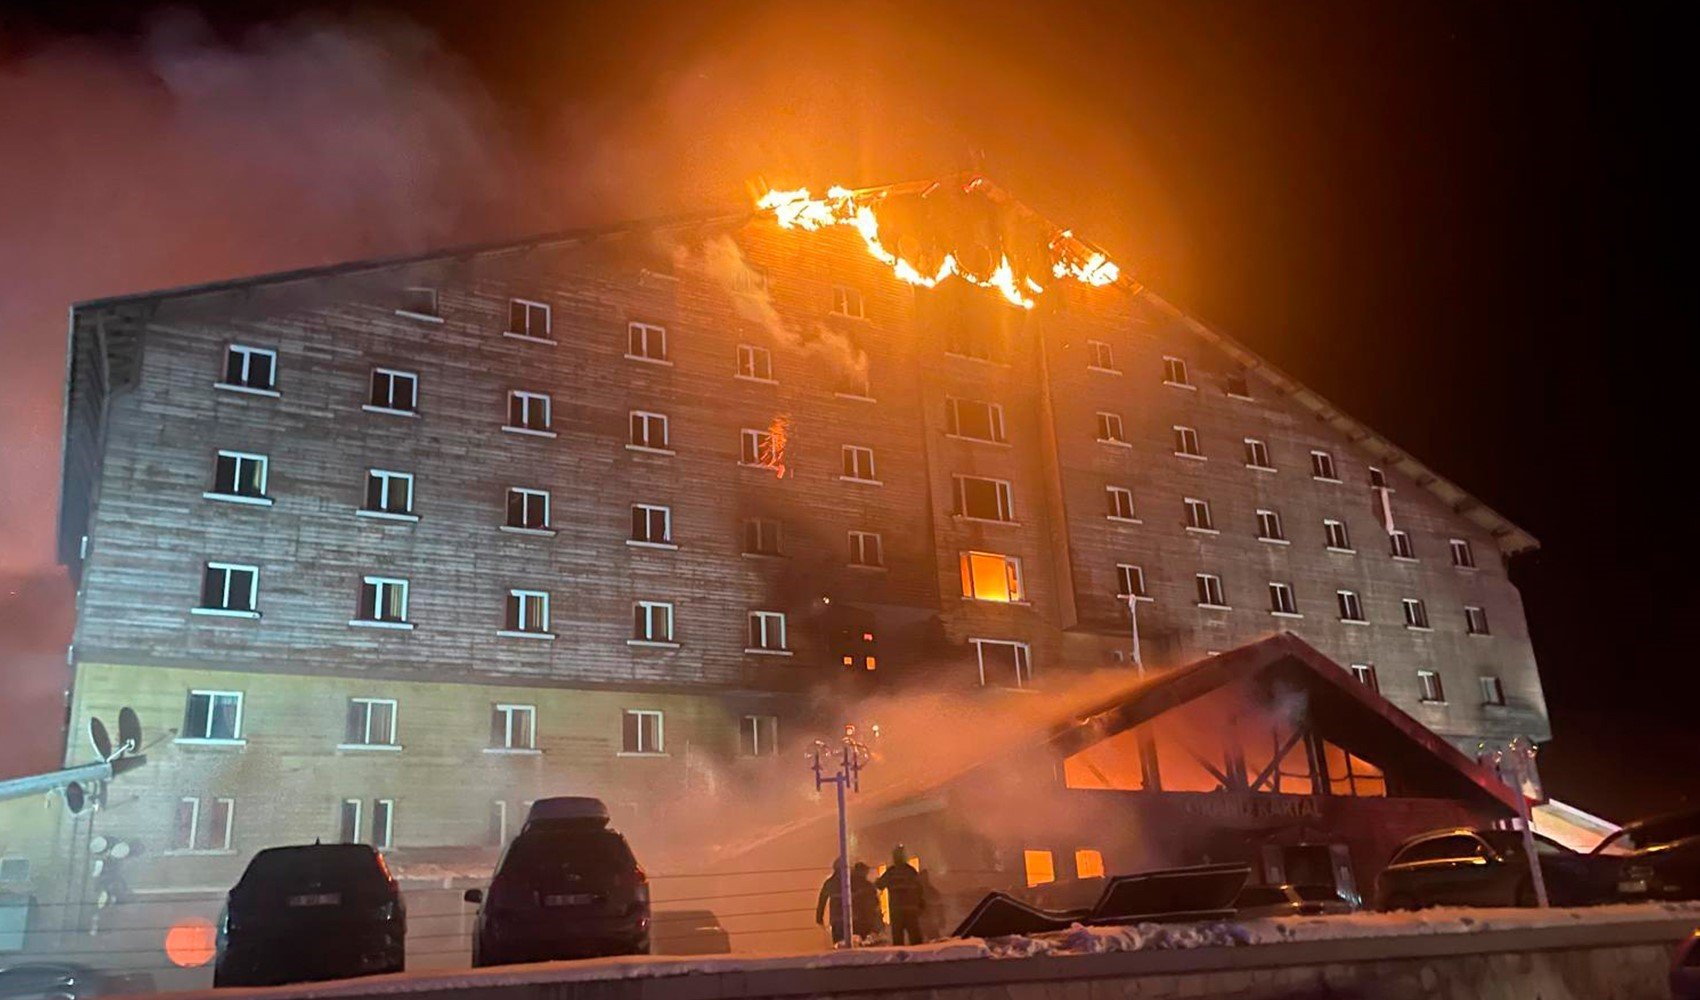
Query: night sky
1459	222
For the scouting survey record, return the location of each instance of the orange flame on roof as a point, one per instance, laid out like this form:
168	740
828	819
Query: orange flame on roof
1071	259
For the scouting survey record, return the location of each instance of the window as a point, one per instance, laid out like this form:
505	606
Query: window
1110	428
1335	535
642	732
649	431
1236	384
1416	613
1364	674
229	588
528	319
1475	620
646	341
394	391
1401	544
1210	591
212	715
1351	608
1121	503
1102	359
755	363
1088	864
528	509
383	600
767	631
984	499
1198	515
389	492
528	411
652	525
420	301
847	301
866	549
1322	466
760	735
1281	600
970	418
759	449
348	822
1174	373
203	825
1040	867
251	368
1257	454
1186	442
513	727
240	474
859	464
989	576
1377	479
1269	526
763	537
371	723
1493	692
1428	683
652	621
1003	663
383	824
14	869
1462	555
528	612
497	835
1130	581
856	383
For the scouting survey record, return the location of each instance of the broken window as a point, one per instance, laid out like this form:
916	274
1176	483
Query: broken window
762	537
984	499
528	319
759	449
250	368
394	391
240	474
1121	503
652	524
989	576
646	341
1190	756
1114	763
971	418
528	509
1186	442
1003	663
1277	760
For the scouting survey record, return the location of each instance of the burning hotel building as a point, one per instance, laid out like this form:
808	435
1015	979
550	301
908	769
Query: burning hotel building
385	550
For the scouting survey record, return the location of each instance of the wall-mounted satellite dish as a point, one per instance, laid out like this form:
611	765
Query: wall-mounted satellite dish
75	797
129	729
120	850
97	845
100	738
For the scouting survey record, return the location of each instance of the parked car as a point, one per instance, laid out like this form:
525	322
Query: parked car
1660	857
64	981
1685	970
1289	901
312	912
1463	867
689	932
566	887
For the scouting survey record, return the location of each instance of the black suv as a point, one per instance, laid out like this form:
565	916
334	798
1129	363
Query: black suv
1660	856
318	911
567	887
1488	868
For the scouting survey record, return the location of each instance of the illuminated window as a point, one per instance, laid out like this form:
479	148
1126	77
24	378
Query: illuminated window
1269	526
760	735
371	722
1364	673
1335	536
866	549
984	499
203	825
1183	766
652	524
1463	556
230	589
1088	864
1277	760
1102	358
250	368
1041	868
1110	428
212	716
528	319
755	363
858	464
646	342
393	391
383	601
1003	663
1121	503
1257	455
759	449
389	493
419	302
643	731
1281	600
1198	515
1400	542
1186	442
1429	686
1114	763
1475	620
528	412
528	509
847	301
1322	467
513	727
988	576
652	622
1416	613
767	632
1174	373
1210	594
649	432
1352	775
971	418
763	536
1493	692
528	612
239	474
1351	608
1130	581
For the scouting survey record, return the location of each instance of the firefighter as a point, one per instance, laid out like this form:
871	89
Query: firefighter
902	883
932	908
828	901
865	919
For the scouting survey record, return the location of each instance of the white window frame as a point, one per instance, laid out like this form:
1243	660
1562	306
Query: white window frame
757	441
1187	444
862	543
223	608
1283	603
1416	614
528	399
238	459
852	455
1209	591
387	478
1110	429
520	600
1430	693
1350	607
1364	673
223	840
1136	573
647	510
764	628
1269	527
650	611
1322	467
752	730
381	586
1004	490
247	352
1492	689
1121	498
369	744
434	315
386	809
1202	525
1257	455
1013	580
763	530
1173	367
527	495
848	301
1099	350
752	359
1023	660
1332	527
994	420
648	420
548	335
394	377
510	711
212	700
644	333
1475	620
1461	547
1404	553
354	829
660	717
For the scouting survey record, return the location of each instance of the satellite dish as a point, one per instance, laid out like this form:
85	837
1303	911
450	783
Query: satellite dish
120	850
129	729
97	845
75	798
99	737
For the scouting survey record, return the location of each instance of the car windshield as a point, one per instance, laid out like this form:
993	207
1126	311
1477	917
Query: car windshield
1650	833
570	847
285	869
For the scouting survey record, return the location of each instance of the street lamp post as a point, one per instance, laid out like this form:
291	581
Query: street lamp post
1514	761
846	761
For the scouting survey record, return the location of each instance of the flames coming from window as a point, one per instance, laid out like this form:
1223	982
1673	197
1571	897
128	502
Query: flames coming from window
1070	259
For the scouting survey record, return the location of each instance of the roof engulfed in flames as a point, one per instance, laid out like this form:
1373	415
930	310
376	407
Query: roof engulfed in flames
1070	259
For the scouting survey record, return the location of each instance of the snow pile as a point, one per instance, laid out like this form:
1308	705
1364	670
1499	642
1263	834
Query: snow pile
1457	920
1079	940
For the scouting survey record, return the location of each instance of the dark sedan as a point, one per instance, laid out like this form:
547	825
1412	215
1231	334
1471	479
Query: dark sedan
1660	857
1464	867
